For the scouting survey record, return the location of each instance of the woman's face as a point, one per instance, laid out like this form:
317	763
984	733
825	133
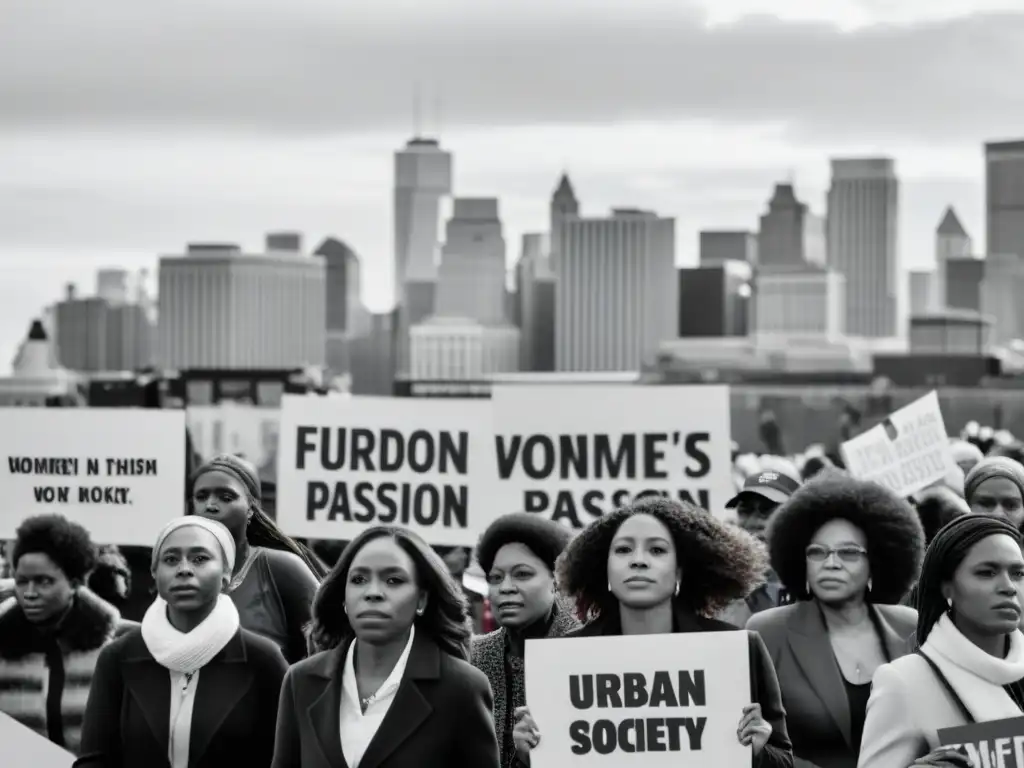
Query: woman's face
837	563
520	586
999	497
189	570
382	592
222	497
41	588
642	567
986	587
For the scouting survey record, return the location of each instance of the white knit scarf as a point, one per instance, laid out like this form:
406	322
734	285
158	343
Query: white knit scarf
977	677
187	652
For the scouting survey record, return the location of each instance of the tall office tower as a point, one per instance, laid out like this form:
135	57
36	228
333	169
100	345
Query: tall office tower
423	178
471	276
616	294
113	285
563	207
469	335
863	203
221	308
373	365
951	242
290	242
718	247
714	301
922	292
963	283
99	334
347	317
535	297
790	234
1002	285
1004	197
806	301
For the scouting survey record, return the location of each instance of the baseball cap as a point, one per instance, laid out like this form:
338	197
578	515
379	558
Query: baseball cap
773	486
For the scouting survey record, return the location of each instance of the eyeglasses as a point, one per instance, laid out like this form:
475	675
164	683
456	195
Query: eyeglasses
850	555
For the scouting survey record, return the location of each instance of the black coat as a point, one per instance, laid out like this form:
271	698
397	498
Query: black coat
440	717
764	685
127	719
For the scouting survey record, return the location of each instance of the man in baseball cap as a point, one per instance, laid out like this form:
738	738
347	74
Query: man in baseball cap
761	495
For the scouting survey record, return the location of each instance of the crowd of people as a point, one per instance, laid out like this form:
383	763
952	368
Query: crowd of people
872	622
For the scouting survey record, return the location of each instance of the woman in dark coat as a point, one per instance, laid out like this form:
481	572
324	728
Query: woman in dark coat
848	551
275	578
52	630
191	688
517	553
692	566
391	686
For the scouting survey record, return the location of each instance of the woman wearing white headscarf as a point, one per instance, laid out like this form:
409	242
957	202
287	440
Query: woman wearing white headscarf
191	688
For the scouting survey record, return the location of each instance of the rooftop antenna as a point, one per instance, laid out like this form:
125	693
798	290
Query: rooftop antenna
416	110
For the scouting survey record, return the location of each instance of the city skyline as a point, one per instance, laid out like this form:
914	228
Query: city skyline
115	180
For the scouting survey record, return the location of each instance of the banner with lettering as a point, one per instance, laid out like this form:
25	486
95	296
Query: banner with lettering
575	453
907	452
639	701
25	747
120	472
993	744
348	463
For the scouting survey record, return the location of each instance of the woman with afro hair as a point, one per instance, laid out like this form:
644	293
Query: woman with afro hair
848	551
52	630
658	566
517	553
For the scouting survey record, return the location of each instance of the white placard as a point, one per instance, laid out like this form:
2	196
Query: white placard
25	747
639	701
907	452
348	464
120	472
575	453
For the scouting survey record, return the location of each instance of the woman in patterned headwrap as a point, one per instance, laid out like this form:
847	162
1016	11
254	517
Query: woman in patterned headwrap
995	487
275	578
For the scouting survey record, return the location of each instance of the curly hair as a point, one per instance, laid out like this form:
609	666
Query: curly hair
721	563
445	618
68	544
541	535
895	538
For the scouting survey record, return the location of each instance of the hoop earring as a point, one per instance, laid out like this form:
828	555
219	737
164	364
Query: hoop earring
869	584
807	588
609	586
419	611
345	609
677	587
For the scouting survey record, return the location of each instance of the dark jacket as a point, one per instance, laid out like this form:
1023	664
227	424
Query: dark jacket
127	719
764	685
813	693
505	673
38	669
440	717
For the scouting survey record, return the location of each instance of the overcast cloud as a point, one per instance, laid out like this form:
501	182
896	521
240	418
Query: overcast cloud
312	65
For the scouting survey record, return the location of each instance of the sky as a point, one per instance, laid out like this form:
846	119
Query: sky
128	129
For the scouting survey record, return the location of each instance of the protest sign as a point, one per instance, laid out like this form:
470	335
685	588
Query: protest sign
575	453
907	452
119	472
639	701
25	747
993	744
345	464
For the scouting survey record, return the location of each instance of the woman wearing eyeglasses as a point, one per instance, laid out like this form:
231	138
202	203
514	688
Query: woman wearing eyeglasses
848	550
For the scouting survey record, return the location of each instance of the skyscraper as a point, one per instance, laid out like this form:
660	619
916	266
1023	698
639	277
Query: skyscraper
720	246
346	315
951	242
535	297
471	276
423	178
616	293
1004	197
790	234
862	228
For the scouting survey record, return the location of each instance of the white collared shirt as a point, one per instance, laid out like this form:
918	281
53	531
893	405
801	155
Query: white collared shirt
358	728
183	699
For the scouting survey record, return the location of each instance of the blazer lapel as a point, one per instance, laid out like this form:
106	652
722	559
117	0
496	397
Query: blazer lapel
222	684
150	686
410	708
896	645
813	653
325	712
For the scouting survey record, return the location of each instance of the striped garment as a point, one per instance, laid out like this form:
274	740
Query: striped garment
44	682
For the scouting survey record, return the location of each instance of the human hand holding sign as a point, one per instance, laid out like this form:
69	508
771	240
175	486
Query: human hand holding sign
944	757
753	731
